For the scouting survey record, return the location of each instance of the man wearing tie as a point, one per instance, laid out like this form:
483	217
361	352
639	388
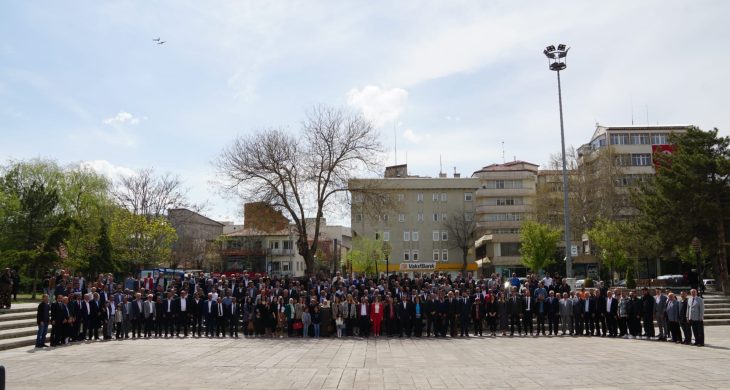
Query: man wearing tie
671	314
182	311
136	315
233	317
196	314
403	311
696	317
515	311
210	313
611	314
168	315
220	319
527	312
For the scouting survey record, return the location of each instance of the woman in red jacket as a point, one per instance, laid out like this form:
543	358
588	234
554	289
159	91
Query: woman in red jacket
376	314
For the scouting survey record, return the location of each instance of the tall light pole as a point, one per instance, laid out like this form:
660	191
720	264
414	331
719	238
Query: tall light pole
556	59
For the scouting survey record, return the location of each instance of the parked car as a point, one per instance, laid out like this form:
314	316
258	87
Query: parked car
709	284
581	282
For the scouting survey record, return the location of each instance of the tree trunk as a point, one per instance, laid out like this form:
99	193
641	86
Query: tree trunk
35	282
465	251
722	258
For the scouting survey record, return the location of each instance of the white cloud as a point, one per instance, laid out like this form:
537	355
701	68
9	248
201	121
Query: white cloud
411	136
380	105
122	118
107	169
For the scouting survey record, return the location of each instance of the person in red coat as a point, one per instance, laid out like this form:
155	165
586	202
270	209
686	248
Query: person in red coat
377	310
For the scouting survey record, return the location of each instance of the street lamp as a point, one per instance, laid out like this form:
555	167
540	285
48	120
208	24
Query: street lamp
556	61
375	258
386	253
697	247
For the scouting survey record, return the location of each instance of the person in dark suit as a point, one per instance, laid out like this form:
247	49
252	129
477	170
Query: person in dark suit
515	312
42	319
58	320
159	316
452	309
182	311
671	314
442	313
477	314
196	314
430	310
588	313
136	316
541	309
209	313
683	321
168	314
634	318
600	317
149	311
464	314
553	313
528	310
403	311
647	313
95	315
611	315
220	320
233	314
577	314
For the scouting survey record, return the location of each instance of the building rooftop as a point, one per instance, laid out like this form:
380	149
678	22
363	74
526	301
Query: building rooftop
517	165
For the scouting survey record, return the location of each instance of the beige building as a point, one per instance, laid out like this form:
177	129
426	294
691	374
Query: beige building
413	220
504	199
631	147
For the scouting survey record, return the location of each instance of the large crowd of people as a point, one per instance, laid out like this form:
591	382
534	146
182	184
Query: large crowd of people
431	305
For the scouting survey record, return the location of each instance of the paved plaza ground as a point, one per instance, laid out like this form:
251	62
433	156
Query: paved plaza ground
509	363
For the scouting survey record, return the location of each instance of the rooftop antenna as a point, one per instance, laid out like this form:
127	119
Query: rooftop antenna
441	166
503	161
395	143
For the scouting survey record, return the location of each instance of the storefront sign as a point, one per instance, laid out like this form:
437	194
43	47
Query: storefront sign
417	266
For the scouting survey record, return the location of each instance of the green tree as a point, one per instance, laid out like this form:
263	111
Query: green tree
608	236
689	197
364	255
141	242
101	261
539	242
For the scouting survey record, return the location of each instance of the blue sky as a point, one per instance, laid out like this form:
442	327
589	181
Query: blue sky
454	78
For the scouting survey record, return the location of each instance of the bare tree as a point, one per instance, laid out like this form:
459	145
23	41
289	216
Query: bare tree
302	175
462	232
146	194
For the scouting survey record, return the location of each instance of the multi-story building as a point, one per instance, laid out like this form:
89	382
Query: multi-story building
631	148
254	250
414	221
504	199
196	234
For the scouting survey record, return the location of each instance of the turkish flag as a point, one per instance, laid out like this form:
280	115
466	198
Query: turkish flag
666	150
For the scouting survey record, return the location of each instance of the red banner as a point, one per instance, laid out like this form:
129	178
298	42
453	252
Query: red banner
665	149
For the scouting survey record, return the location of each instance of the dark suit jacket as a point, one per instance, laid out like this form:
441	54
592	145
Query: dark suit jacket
43	313
515	305
601	305
404	314
173	309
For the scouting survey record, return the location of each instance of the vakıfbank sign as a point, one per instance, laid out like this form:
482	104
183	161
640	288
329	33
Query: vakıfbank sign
417	266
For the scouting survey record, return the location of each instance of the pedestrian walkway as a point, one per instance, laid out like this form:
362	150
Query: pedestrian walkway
501	363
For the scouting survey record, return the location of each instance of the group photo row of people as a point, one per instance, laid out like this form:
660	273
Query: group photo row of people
431	305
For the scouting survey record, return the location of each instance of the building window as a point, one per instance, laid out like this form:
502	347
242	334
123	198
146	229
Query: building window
435	217
443	197
468	217
444	217
406	236
641	159
401	197
620	139
401	217
414	235
358	217
377	236
504	184
414	255
285	267
510	248
506	231
435	197
468	197
445	255
435	255
419	197
444	235
420	217
386	235
640	139
436	235
660	138
406	256
385	217
622	160
504	217
509	201
288	244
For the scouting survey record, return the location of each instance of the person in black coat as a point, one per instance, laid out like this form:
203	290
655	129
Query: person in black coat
59	318
169	313
403	311
515	312
442	312
634	317
42	319
159	316
553	304
647	313
588	313
464	314
600	318
196	314
452	310
95	317
611	315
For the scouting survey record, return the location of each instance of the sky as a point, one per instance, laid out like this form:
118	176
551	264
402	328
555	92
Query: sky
447	83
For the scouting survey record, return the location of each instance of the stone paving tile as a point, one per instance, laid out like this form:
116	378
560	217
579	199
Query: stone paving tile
473	363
